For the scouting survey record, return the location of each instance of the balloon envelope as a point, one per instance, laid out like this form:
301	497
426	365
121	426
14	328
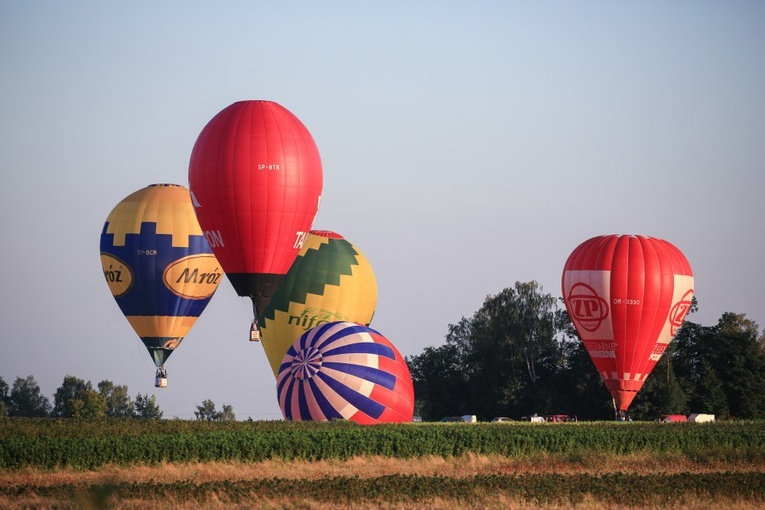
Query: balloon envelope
329	281
627	297
158	265
343	370
256	178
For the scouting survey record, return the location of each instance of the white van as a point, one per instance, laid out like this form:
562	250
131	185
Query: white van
701	418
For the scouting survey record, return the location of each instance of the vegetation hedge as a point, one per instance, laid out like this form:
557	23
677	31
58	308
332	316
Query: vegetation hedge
57	443
614	488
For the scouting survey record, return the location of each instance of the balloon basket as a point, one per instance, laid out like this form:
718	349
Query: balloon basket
160	379
254	332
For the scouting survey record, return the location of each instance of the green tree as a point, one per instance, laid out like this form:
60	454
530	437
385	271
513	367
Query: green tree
4	397
76	398
146	407
579	389
26	400
89	405
227	413
514	353
206	412
71	390
499	362
709	394
740	358
721	367
118	401
440	382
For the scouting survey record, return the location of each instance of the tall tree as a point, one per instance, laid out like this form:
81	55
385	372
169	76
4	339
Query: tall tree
500	361
579	389
146	407
227	413
206	412
4	397
721	367
89	405
741	358
26	400
118	401
440	382
72	389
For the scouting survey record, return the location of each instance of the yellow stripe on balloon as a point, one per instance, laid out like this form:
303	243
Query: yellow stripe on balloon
161	326
169	207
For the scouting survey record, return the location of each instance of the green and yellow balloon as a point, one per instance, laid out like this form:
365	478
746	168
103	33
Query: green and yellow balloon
331	280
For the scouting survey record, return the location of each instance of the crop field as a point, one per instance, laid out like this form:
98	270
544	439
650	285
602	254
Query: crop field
47	463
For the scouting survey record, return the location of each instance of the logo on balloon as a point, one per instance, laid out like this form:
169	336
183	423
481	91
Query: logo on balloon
118	275
657	351
586	307
311	317
193	277
600	349
679	311
171	343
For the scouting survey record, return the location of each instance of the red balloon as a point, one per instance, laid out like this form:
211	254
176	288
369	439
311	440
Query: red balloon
255	177
627	297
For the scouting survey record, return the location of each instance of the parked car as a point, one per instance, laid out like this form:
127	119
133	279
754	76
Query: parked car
501	419
469	418
668	418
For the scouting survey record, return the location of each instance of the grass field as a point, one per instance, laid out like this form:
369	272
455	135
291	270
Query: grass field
340	465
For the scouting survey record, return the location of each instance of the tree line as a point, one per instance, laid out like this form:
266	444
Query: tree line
76	398
519	354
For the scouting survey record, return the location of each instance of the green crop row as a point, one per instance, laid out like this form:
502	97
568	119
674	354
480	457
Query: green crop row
614	489
50	444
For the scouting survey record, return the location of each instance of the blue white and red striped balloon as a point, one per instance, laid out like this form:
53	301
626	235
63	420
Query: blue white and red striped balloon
342	370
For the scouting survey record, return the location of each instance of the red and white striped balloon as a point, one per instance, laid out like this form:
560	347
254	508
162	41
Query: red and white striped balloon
627	296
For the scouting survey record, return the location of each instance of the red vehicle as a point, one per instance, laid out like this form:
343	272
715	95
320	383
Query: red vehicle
669	418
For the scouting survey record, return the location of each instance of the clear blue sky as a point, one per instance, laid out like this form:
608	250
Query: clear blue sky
466	146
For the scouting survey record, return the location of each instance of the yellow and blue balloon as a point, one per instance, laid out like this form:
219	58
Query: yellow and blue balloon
159	267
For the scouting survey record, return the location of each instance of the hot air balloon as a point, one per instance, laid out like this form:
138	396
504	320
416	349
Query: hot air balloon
343	370
159	267
627	297
329	281
256	178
